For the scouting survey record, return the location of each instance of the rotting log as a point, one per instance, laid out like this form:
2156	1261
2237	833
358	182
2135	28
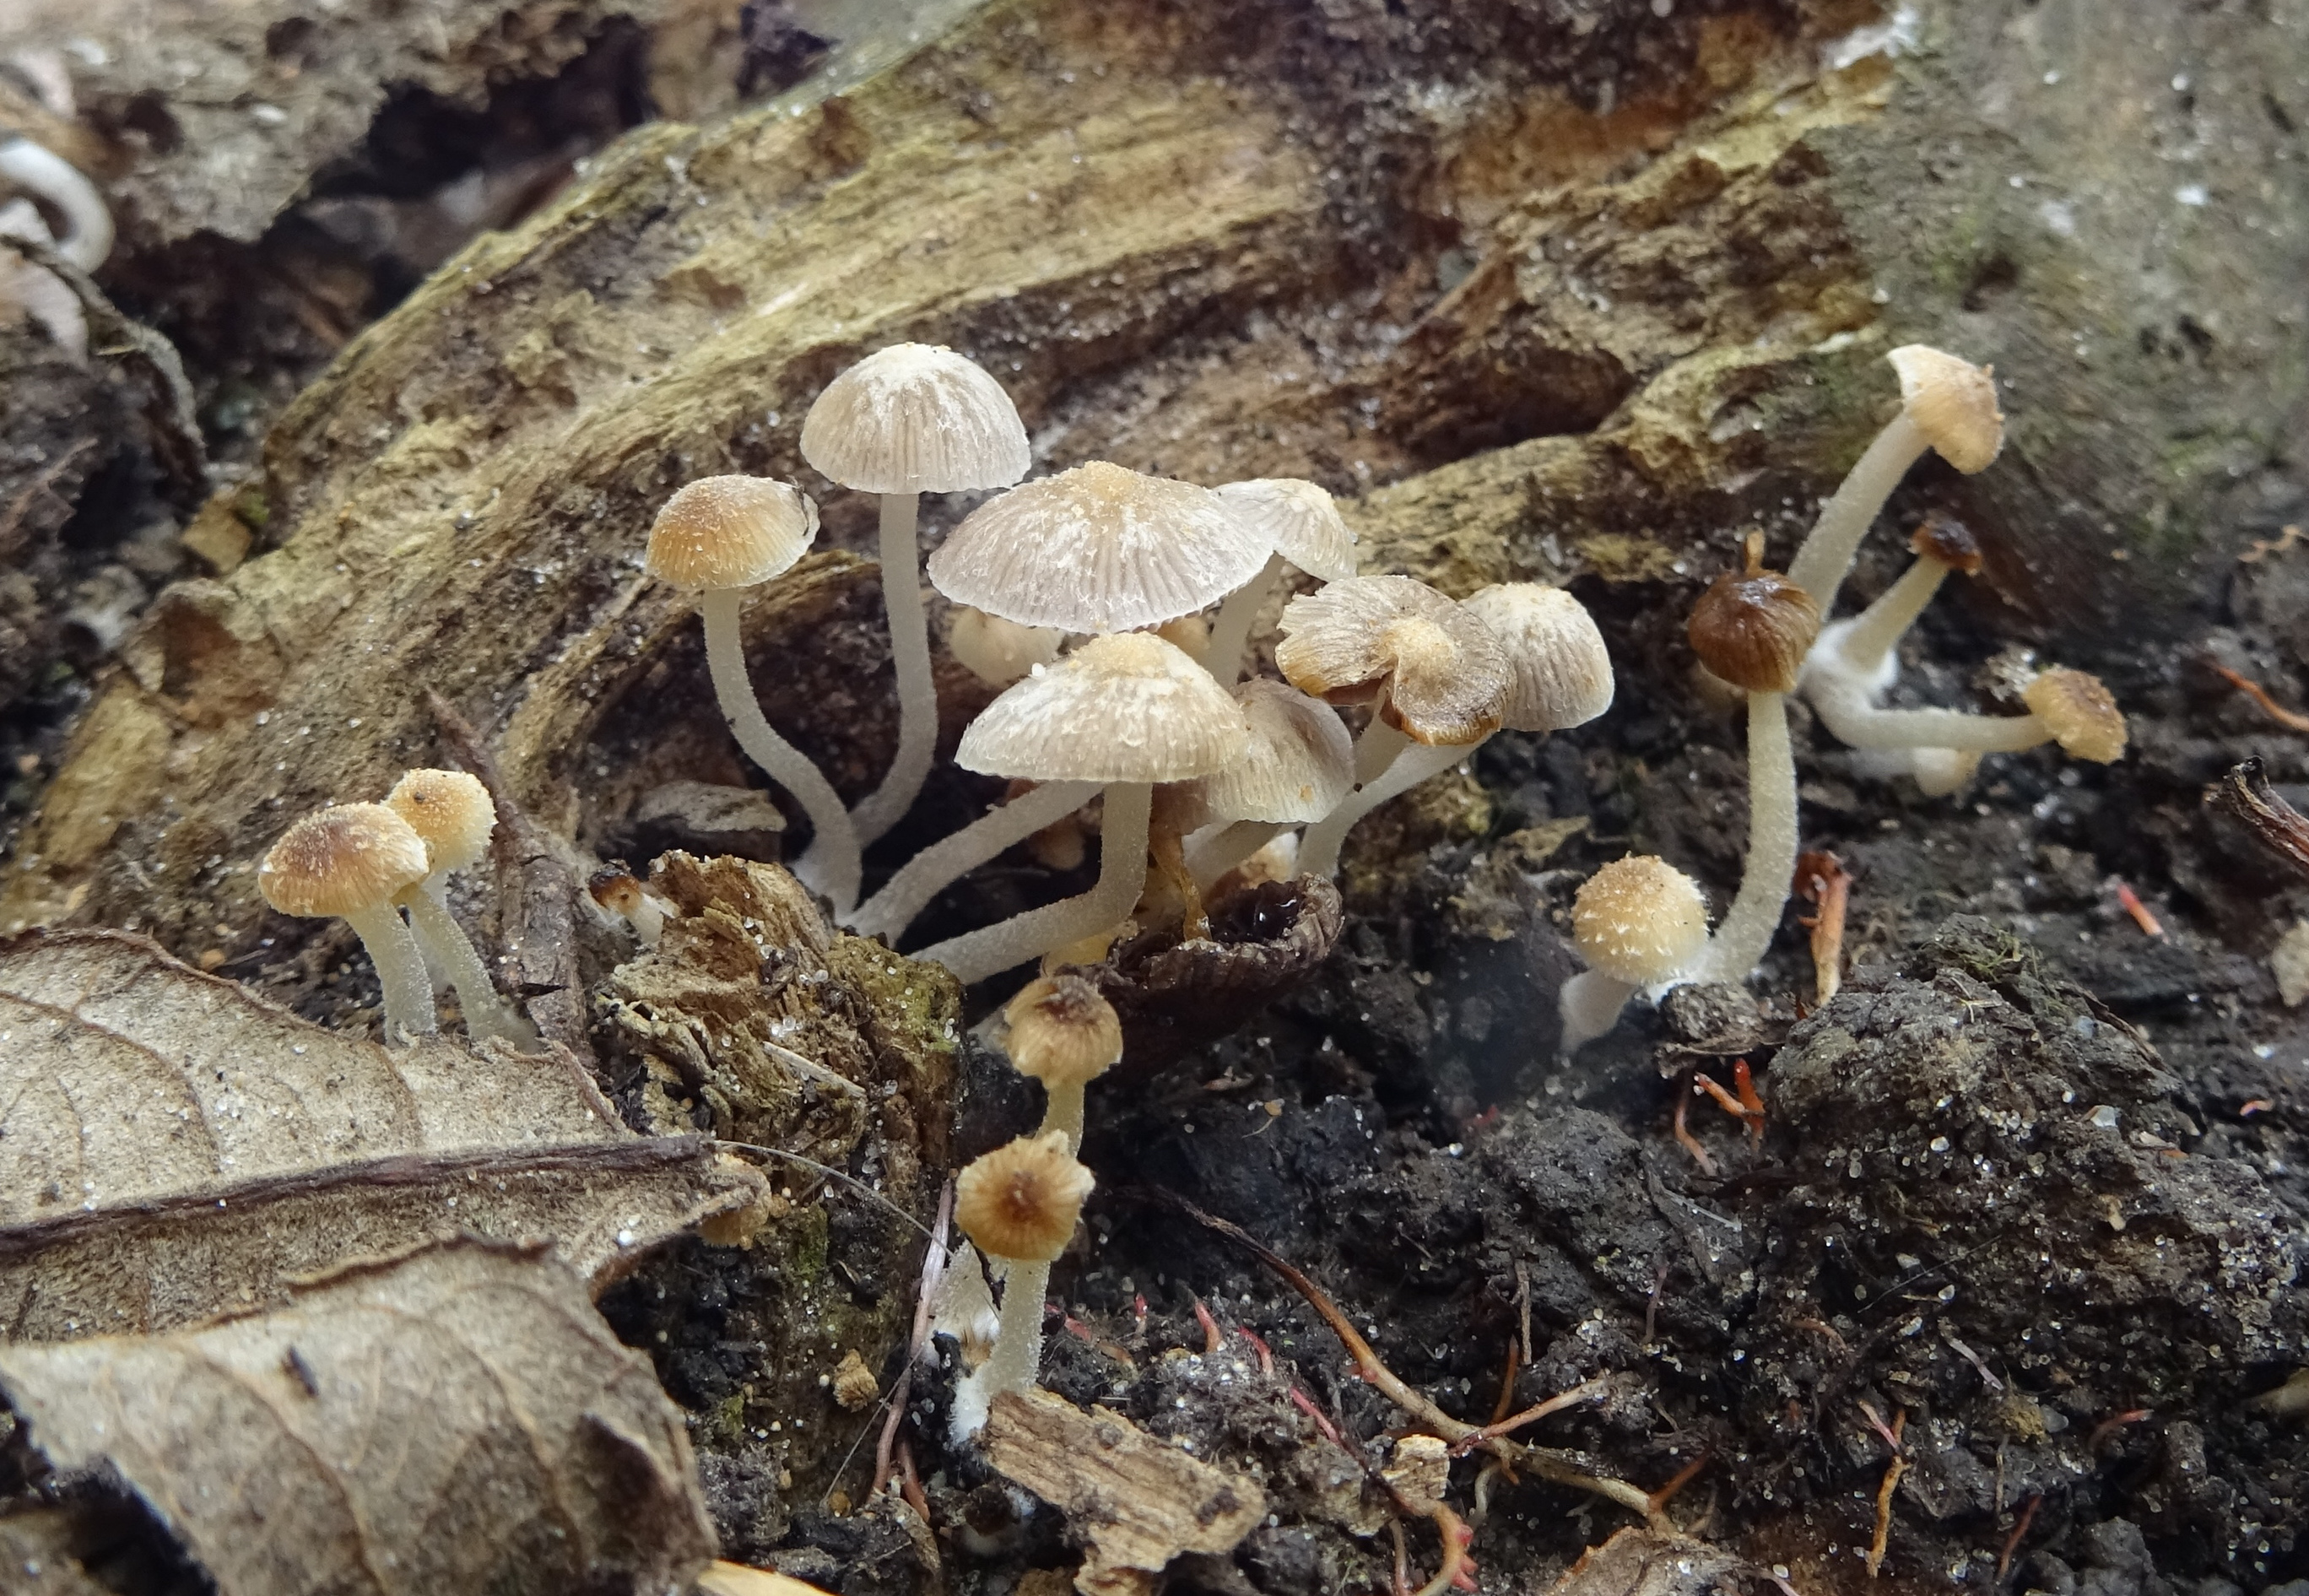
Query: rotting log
1568	299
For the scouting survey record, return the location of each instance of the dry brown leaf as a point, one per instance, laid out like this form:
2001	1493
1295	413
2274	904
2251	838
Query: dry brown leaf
455	1420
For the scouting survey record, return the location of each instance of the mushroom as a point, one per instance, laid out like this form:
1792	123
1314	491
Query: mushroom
1305	529
87	237
1124	712
910	420
1636	921
1019	1204
717	537
1300	767
1061	1031
616	890
1946	404
999	652
1097	549
351	861
451	814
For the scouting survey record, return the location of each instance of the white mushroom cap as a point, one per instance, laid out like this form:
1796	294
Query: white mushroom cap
999	652
1300	764
1437	673
451	813
1098	549
916	418
340	861
1299	520
1124	708
1562	670
1953	402
1640	920
731	532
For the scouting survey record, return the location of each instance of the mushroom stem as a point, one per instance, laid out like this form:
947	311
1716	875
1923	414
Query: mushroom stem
1121	877
1319	848
88	220
400	969
1864	646
830	864
1590	1002
1227	846
1063	1111
447	949
1017	1354
1230	632
930	872
1768	875
1376	749
1821	565
910	657
1845	709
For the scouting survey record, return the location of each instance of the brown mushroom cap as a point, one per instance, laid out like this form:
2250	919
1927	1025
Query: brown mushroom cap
1953	402
1437	673
1300	521
1061	1031
1752	627
2080	714
1298	766
1562	670
731	532
340	861
916	418
450	810
1124	708
1640	920
1023	1200
1944	540
1098	549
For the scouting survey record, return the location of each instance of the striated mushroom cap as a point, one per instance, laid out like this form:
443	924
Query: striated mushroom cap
2080	713
450	812
1299	766
731	532
1752	627
1640	920
1124	708
1562	670
1098	549
1953	402
1062	1031
1300	522
1023	1200
1437	673
340	861
916	418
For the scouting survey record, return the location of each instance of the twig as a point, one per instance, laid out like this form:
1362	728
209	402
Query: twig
2020	1528
1507	1384
2109	1427
1212	1339
851	1180
934	1262
1892	1472
1744	1079
1523	1303
1458	1567
2289	719
2130	901
1821	880
1703	1081
2245	792
1684	1134
1585	1391
1682	1476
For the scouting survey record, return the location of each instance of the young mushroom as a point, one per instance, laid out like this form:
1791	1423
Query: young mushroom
1300	766
717	537
1019	1204
999	651
1061	1031
1305	529
906	421
1638	922
350	862
451	814
616	890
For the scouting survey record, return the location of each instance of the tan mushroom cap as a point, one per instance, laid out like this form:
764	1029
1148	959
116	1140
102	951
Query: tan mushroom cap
1299	766
2079	713
450	810
1437	673
1300	522
1752	628
1640	920
1023	1200
1098	549
1562	670
1953	402
916	418
340	861
731	532
999	651
1944	540
1062	1031
1126	708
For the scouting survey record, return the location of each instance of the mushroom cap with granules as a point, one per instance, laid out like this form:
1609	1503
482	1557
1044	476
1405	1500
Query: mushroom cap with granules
1023	1200
1061	1030
1098	549
1640	920
450	810
916	418
1562	670
1944	540
1437	672
1753	627
731	532
2079	713
1300	522
340	861
1124	708
1299	766
1953	402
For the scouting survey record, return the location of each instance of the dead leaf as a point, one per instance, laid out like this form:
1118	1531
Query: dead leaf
1640	1562
458	1418
1135	1502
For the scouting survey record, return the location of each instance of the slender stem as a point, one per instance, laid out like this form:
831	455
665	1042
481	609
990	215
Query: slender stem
1017	1354
448	947
1376	749
1319	849
1063	1111
910	657
1878	629
1230	632
1820	566
830	864
1229	847
400	969
1121	877
1845	710
1768	875
1590	1003
939	866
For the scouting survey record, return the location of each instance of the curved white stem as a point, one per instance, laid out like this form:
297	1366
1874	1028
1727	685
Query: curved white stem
1867	644
1319	848
1768	876
1230	632
1017	1354
1845	711
88	220
1820	566
400	970
1376	749
830	866
909	658
449	950
1228	847
1121	877
1590	1003
930	872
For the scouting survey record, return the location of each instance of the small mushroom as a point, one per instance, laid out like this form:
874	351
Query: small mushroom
999	651
1299	768
717	537
1638	921
1305	529
1062	1033
616	890
451	814
906	421
1020	1203
351	862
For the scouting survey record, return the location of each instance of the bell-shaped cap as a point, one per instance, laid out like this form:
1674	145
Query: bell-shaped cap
731	532
1640	920
1061	1030
1098	549
1023	1200
916	418
999	651
1126	708
1437	672
342	860
1300	764
1300	522
1944	540
1753	627
2079	713
450	810
1953	402
1562	670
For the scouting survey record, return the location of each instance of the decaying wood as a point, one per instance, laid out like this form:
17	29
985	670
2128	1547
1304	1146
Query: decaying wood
1643	1562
